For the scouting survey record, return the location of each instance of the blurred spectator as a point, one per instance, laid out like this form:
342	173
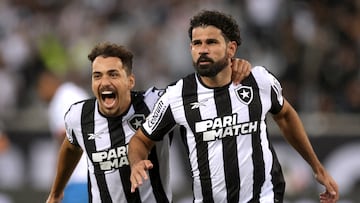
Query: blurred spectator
4	141
4	146
60	95
8	98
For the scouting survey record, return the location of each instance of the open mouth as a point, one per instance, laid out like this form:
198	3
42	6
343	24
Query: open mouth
108	98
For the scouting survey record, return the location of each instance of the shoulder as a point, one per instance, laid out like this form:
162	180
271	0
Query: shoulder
149	96
263	76
176	87
77	109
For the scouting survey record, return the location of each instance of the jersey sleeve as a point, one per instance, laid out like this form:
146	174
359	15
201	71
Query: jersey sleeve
276	96
160	121
152	95
277	99
69	126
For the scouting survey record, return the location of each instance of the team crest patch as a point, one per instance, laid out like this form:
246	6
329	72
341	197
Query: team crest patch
136	120
244	94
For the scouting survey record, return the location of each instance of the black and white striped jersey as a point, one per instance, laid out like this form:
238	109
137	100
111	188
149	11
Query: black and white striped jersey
231	157
105	142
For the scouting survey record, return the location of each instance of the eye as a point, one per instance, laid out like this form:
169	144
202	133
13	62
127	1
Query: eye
114	74
196	42
96	76
211	41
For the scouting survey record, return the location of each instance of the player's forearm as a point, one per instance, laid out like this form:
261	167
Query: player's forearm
68	158
138	149
294	132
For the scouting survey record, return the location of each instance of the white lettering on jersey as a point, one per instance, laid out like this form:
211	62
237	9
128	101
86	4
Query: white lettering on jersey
225	126
157	114
111	159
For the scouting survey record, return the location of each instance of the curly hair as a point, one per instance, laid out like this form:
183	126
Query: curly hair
225	23
107	49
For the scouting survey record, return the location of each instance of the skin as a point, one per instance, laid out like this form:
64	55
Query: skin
108	75
210	41
4	142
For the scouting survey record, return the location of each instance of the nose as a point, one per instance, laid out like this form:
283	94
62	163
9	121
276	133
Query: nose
204	49
105	80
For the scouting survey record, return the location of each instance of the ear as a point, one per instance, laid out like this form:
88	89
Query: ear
232	48
131	81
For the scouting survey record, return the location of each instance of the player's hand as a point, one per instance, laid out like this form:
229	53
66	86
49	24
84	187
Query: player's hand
139	173
331	194
240	70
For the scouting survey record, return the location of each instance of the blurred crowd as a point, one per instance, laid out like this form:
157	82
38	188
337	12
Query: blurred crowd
313	47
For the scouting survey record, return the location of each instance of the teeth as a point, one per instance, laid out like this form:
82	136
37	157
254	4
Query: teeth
106	92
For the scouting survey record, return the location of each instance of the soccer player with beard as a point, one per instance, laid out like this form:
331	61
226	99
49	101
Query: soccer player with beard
230	154
101	127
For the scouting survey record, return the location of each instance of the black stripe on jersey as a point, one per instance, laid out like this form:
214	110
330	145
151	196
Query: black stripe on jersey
87	127
141	108
231	166
275	105
189	94
116	132
75	141
182	131
255	110
278	180
276	171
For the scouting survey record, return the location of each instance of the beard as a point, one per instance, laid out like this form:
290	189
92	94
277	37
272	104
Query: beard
211	69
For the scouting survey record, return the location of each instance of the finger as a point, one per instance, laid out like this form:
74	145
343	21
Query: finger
133	186
327	197
237	70
133	181
148	165
244	69
331	188
136	181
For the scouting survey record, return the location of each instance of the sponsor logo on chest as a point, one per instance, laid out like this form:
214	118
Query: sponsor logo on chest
111	159
221	127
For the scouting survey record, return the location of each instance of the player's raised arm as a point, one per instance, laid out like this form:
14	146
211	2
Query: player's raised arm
139	148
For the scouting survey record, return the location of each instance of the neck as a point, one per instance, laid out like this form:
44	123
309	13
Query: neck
221	79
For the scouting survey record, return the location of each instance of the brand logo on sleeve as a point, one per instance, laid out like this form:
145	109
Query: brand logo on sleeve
157	114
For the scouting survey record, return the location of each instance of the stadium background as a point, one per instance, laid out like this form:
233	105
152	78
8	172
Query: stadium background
313	47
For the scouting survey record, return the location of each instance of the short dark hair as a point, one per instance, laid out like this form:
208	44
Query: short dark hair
107	49
225	23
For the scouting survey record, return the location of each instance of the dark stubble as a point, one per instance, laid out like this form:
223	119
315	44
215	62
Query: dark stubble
211	69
